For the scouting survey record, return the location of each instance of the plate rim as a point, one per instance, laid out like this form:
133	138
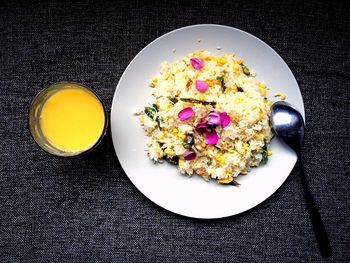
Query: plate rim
302	110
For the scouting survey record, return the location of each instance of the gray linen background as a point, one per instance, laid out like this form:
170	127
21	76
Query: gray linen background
85	209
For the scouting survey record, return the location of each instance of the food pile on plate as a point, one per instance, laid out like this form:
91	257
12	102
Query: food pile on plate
209	116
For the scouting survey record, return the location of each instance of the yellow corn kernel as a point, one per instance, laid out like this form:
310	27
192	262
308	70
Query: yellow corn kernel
268	102
221	61
236	70
227	180
240	61
203	144
199	147
234	88
181	135
261	114
222	159
210	82
168	151
169	106
201	171
238	99
155	79
142	118
262	91
261	85
202	97
283	96
181	163
175	130
269	152
241	150
161	135
261	136
230	150
198	53
166	76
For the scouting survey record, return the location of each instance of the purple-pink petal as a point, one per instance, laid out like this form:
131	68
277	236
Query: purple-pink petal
211	138
197	63
190	155
224	119
201	85
214	118
185	114
202	126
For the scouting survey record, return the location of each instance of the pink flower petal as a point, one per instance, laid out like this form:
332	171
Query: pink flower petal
201	86
224	119
197	63
185	114
214	118
190	155
211	138
202	126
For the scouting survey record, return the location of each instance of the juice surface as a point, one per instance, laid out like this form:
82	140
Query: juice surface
72	119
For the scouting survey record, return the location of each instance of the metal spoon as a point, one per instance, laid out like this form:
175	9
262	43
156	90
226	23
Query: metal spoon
288	124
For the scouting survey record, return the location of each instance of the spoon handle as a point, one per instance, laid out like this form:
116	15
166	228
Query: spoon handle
317	223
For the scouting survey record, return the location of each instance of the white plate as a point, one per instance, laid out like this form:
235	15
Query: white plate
162	183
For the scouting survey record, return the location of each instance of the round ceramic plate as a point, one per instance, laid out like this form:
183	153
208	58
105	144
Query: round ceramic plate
162	183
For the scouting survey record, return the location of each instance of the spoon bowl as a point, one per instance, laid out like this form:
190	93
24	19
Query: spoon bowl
288	124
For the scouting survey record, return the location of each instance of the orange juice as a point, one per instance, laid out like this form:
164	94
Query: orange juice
72	119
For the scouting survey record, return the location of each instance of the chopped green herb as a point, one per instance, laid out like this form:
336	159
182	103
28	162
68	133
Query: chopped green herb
217	147
172	160
159	120
189	141
174	100
155	106
235	183
240	89
209	161
264	153
151	112
245	69
198	101
222	83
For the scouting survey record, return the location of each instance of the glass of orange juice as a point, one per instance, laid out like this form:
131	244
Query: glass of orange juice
67	119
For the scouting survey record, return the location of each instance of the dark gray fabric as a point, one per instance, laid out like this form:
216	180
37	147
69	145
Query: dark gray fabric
85	209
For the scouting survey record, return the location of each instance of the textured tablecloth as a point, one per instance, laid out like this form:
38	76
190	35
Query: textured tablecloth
85	209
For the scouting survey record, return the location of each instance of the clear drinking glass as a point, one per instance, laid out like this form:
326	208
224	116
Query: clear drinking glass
34	118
